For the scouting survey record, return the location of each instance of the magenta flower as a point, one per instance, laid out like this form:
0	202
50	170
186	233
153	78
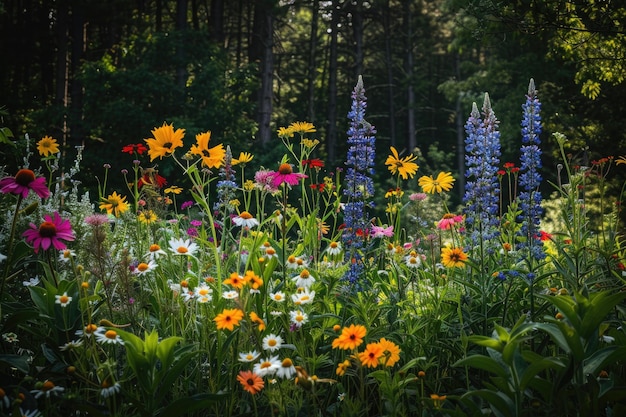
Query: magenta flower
449	220
23	182
285	174
49	233
380	231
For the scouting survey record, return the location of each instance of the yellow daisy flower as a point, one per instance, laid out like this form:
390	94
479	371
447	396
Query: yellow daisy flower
114	204
453	257
47	146
211	157
173	190
244	158
405	167
165	141
302	127
147	217
443	182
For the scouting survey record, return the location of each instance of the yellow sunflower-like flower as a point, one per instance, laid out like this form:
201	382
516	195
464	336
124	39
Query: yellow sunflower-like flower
114	204
443	182
405	167
453	257
147	217
620	160
285	132
173	190
165	140
228	319
211	157
302	127
244	158
47	146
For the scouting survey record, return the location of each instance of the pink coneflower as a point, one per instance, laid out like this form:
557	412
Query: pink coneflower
285	174
49	233
24	181
418	197
97	220
263	180
380	231
448	221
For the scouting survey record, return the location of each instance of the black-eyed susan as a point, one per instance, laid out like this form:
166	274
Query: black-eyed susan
453	257
164	141
147	217
114	204
371	356
391	352
47	146
350	338
443	182
228	319
211	157
405	167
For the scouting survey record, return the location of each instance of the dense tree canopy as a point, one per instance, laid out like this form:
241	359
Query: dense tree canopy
105	73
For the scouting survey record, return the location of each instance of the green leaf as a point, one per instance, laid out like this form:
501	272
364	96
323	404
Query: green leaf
500	404
183	406
485	363
18	362
603	357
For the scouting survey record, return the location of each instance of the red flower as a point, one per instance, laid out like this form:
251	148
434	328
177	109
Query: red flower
313	163
152	179
508	165
501	172
319	187
136	147
544	236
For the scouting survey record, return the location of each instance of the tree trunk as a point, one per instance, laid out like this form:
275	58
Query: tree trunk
312	61
357	31
62	67
411	140
181	27
261	50
76	88
216	23
332	85
389	67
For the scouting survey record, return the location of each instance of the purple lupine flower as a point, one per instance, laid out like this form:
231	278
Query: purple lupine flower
529	177
226	186
482	189
359	186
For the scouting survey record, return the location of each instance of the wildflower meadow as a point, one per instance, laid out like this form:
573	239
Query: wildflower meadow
291	290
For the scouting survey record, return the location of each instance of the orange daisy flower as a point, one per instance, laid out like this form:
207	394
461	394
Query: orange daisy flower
228	319
391	352
235	280
350	337
371	355
250	382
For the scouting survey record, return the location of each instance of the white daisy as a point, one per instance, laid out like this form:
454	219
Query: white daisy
109	391
298	318
230	295
304	279
276	313
249	356
245	219
267	366
72	344
109	337
63	299
278	296
272	342
47	388
334	248
286	370
65	255
89	330
144	268
182	247
155	251
203	293
413	261
190	295
303	296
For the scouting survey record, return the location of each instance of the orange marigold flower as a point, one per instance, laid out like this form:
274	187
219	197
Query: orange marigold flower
350	337
235	280
228	319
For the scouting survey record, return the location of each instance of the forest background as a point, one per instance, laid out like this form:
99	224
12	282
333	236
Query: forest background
103	74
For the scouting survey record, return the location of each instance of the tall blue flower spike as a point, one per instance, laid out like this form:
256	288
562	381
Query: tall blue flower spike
359	184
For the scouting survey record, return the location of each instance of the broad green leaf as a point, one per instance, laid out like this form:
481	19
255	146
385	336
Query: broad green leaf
18	362
485	363
602	358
